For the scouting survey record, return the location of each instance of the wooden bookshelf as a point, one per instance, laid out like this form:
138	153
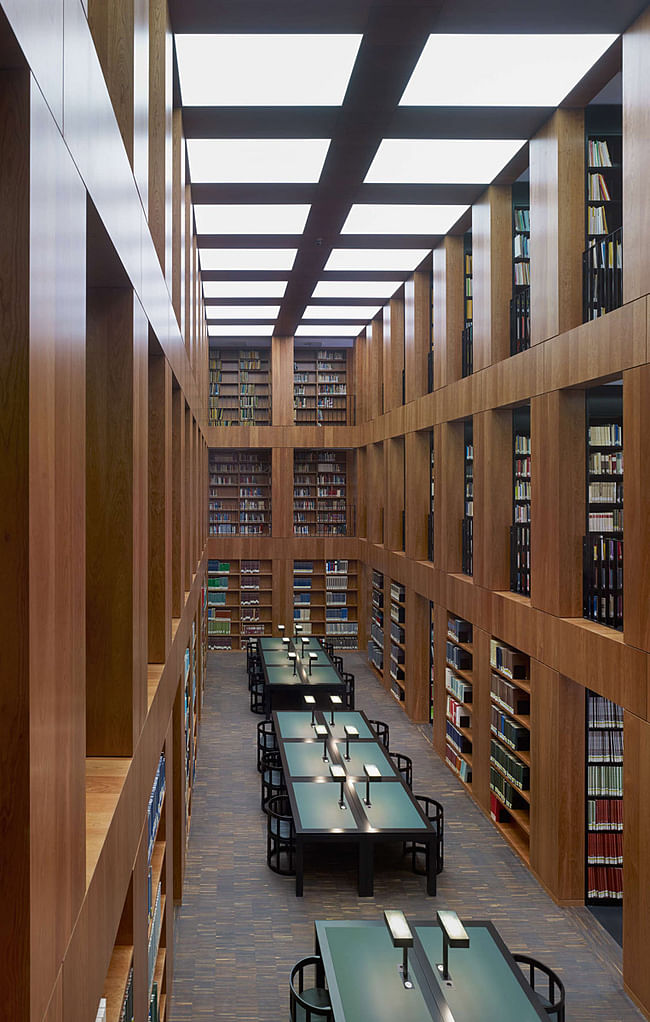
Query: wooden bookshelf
240	492
520	304
459	698
240	387
255	598
341	603
468	307
604	801
397	641
521	502
376	624
224	602
320	386
320	503
468	496
603	255
603	543
510	759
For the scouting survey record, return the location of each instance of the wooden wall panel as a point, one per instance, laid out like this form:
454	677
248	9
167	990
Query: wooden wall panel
492	498
186	277
557	786
178	501
157	118
558	501
393	332
140	522
141	98
636	424
376	486
492	275
282	491
417	493
481	717
188	462
375	350
282	381
448	317
636	861
169	151
394	494
636	155
449	447
417	333
557	216
160	509
362	492
178	218
112	30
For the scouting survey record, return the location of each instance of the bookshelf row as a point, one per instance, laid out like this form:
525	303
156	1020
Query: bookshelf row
320	494
239	492
240	387
387	634
604	801
325	600
320	391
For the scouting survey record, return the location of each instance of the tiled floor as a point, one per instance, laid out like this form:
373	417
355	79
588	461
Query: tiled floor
241	928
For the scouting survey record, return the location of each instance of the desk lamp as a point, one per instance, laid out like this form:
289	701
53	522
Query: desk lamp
311	702
312	657
335	701
338	773
350	732
401	936
454	934
322	732
372	774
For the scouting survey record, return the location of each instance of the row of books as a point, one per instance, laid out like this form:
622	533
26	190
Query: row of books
509	696
518	773
154	935
461	690
597	221
603	713
597	188
516	736
606	463
458	764
605	849
459	658
604	779
522	274
509	661
459	630
605	814
154	805
457	739
608	435
505	791
605	883
457	714
606	521
598	154
606	493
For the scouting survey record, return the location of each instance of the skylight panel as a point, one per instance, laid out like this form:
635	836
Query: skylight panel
239	218
247	258
265	69
364	312
334	330
441	160
244	288
256	160
401	218
501	70
269	312
356	288
369	259
245	330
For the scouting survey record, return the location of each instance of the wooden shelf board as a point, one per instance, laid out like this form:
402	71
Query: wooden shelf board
520	816
467	646
515	839
463	675
105	779
467	706
159	969
524	794
522	683
116	980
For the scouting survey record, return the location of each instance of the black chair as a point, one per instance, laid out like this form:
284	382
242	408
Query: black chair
349	690
266	740
338	663
381	730
253	668
251	652
329	648
405	766
272	776
313	1002
257	692
553	999
280	836
435	814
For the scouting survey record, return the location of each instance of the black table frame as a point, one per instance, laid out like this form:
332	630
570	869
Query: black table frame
364	836
300	687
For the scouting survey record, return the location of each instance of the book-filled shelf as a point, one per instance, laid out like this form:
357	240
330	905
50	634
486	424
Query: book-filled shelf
468	496
157	891
320	505
459	662
521	499
376	631
239	602
397	649
520	302
432	481
325	600
602	259
432	690
320	386
240	387
604	843
431	338
467	338
116	1003
239	492
510	744
603	543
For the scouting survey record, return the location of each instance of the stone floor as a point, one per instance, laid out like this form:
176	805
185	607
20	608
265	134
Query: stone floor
241	928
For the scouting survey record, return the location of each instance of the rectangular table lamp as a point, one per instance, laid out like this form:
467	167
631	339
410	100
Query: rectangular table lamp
454	934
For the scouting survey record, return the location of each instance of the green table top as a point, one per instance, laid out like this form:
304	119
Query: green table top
322	674
297	724
486	987
350	717
305	759
366	983
318	806
322	658
365	752
270	642
283	676
294	724
391	808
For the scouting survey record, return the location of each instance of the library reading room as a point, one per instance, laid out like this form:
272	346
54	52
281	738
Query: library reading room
325	541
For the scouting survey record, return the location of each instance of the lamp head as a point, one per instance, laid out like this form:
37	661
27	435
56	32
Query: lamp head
310	700
337	772
321	731
350	731
372	772
452	928
399	929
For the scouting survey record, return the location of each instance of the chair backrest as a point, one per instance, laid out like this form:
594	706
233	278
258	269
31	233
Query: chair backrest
553	1000
266	740
405	766
313	1000
382	731
435	814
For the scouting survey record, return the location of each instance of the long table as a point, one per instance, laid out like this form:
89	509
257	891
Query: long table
362	971
393	815
283	689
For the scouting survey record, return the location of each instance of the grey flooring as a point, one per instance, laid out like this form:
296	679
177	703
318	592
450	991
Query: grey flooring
241	928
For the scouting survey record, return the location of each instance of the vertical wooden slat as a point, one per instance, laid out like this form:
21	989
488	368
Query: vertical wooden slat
492	498
417	333
417	463
160	508
492	275
178	502
448	322
282	381
636	156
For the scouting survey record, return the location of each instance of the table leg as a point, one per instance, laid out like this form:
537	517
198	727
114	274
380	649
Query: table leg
299	867
366	869
432	879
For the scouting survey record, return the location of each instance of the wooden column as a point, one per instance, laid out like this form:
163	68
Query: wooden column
282	612
417	333
480	716
189	499
449	447
558	501
186	297
448	318
282	491
362	492
178	501
356	395
636	156
178	219
557	783
393	327
417	496
177	783
492	275
636	426
376	487
376	367
157	124
112	27
439	687
282	381
160	509
636	860
394	494
557	216
116	521
141	98
416	695
492	498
